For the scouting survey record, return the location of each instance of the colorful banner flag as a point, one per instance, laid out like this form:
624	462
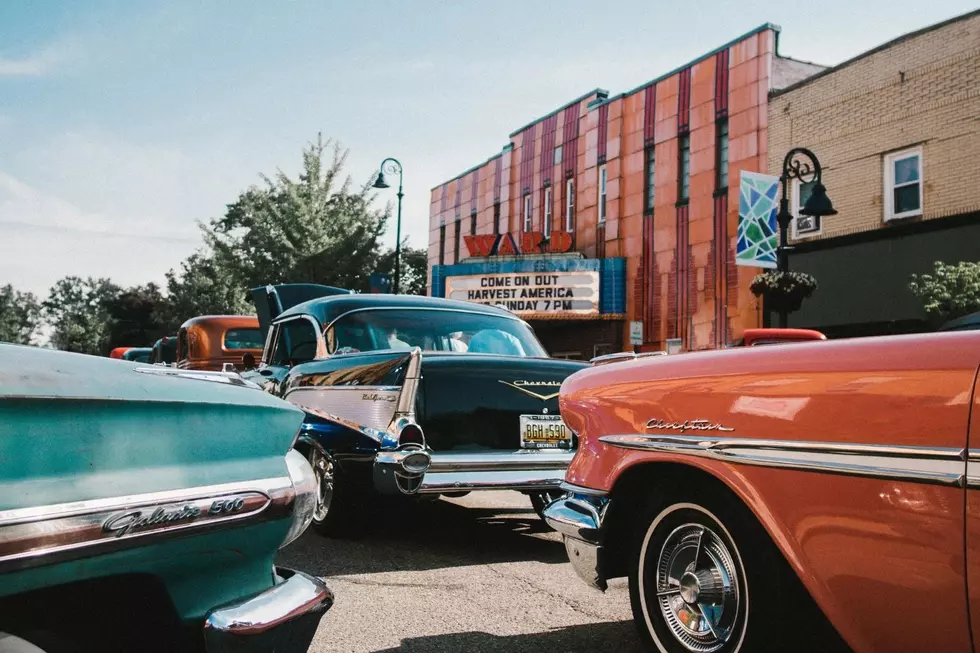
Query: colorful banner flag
758	231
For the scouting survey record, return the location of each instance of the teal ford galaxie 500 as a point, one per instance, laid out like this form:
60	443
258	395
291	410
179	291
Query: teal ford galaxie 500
141	509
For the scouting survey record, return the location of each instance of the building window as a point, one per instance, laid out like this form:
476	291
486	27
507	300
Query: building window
650	194
496	217
903	184
570	205
547	211
442	244
803	225
527	213
473	223
456	240
684	168
602	194
558	155
721	155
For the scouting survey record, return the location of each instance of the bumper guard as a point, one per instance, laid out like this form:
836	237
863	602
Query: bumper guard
283	618
579	518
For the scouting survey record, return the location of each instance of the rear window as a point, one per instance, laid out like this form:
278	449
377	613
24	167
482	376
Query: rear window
243	339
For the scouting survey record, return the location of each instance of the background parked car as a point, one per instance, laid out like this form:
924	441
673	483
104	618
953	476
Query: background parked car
164	351
135	525
413	395
208	342
137	354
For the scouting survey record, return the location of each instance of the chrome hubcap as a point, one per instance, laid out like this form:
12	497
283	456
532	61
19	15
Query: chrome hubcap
698	588
323	471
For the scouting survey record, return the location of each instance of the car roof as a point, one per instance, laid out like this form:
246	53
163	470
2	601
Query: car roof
232	321
327	309
971	321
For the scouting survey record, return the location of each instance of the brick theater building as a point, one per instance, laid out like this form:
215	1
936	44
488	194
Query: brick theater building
620	209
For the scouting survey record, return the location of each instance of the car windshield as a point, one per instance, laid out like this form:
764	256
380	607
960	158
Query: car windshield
432	330
243	339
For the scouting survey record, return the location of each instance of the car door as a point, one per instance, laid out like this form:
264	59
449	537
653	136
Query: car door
293	341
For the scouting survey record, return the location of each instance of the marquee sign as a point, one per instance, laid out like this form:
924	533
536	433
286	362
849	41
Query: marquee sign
531	242
531	294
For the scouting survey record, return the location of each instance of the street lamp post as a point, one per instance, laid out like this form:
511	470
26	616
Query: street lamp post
391	166
799	163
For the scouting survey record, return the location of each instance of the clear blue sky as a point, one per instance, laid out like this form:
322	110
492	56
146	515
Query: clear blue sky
121	123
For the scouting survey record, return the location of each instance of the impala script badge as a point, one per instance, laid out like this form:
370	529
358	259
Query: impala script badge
687	425
523	387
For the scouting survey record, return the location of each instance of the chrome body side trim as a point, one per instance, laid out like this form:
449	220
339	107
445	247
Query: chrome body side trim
941	465
44	535
571	488
283	618
231	378
624	356
973	468
531	479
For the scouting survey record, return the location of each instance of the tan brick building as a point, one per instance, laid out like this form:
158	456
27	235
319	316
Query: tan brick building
897	131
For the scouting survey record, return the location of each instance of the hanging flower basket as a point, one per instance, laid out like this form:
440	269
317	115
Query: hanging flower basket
783	292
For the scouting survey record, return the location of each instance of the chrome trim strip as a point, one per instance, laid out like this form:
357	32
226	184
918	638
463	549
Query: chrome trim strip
405	408
297	597
231	378
973	468
940	465
624	356
43	535
571	488
500	461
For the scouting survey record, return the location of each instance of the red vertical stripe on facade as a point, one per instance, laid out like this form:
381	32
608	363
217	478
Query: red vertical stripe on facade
549	127
445	197
650	282
684	101
527	159
649	113
600	241
498	172
459	195
721	84
474	191
569	155
603	131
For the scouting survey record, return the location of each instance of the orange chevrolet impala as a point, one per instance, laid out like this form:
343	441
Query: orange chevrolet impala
809	496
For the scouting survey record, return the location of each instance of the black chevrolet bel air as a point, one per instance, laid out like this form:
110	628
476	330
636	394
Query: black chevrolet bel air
409	395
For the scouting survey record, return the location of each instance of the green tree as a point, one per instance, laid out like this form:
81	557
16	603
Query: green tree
76	310
950	291
414	269
20	315
201	287
316	229
134	317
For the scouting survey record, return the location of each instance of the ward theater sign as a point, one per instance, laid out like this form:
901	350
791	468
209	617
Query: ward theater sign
531	294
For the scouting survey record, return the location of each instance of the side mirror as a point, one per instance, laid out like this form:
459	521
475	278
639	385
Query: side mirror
248	361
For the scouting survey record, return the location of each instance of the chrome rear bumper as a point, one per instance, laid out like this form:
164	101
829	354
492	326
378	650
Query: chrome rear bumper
284	618
507	470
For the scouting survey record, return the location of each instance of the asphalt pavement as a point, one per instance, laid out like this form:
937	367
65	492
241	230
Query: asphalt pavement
476	573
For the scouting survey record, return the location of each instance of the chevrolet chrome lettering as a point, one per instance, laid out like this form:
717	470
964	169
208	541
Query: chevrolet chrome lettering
523	385
687	425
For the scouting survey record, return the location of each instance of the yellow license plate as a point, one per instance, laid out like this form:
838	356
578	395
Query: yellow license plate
544	432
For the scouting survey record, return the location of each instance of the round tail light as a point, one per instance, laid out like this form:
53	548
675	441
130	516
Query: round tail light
411	434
